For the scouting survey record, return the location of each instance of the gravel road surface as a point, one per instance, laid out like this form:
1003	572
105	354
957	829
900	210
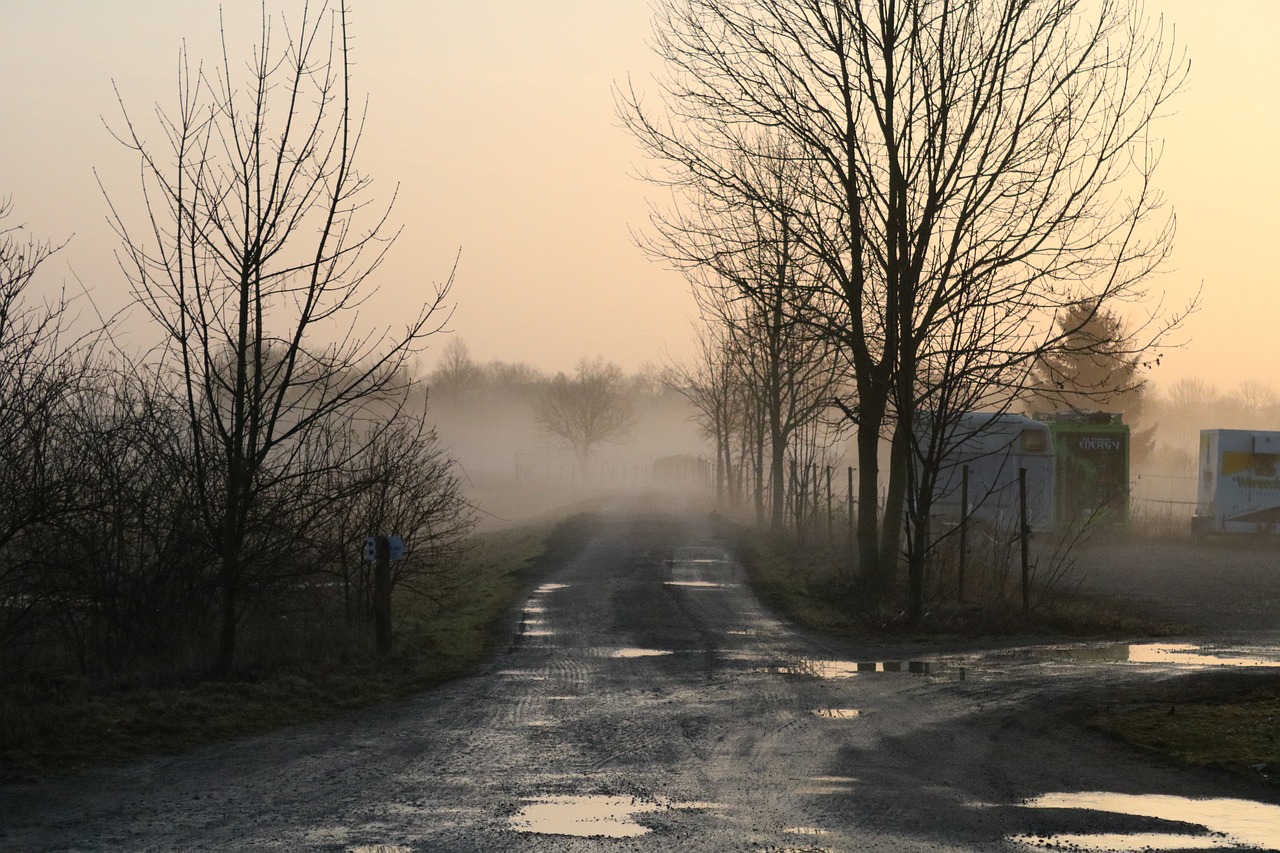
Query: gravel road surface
647	702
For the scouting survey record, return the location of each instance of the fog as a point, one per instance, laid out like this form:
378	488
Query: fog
516	471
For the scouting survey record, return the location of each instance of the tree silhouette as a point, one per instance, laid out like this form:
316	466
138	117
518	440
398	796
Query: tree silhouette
585	410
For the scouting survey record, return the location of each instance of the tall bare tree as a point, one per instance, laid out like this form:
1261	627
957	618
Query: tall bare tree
258	246
711	382
751	272
973	169
587	409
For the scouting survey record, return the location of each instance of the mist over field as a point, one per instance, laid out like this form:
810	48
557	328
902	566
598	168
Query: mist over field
515	470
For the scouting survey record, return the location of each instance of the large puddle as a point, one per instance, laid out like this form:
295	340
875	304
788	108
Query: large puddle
591	816
1174	654
1228	824
820	668
837	713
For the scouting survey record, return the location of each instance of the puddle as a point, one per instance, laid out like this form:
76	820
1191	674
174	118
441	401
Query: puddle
816	668
1176	654
1188	655
827	785
837	713
700	584
638	653
551	587
1229	824
522	674
538	632
593	816
1116	843
535	609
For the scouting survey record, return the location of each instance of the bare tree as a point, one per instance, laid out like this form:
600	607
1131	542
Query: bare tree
973	168
751	272
258	247
456	374
711	383
586	410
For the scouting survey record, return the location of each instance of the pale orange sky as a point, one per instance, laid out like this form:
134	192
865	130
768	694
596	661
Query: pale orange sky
497	122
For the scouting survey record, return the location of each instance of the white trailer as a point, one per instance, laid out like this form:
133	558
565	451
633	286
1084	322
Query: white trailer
1239	485
994	447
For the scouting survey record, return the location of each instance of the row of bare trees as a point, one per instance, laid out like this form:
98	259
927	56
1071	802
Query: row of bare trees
164	511
931	198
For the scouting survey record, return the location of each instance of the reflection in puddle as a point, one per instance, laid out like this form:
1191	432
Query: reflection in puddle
837	713
637	653
380	848
1176	654
1231	824
815	668
595	816
700	584
551	587
538	632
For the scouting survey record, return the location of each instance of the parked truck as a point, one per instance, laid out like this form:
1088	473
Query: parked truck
993	448
1239	482
1092	452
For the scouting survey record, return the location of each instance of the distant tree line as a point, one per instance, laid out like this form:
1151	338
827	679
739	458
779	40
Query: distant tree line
200	508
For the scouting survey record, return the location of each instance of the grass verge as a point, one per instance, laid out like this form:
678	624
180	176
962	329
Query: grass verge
1236	729
79	728
818	589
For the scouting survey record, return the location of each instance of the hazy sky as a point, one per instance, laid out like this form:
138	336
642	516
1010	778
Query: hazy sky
496	120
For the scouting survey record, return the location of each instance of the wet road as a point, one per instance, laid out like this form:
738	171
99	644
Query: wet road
647	702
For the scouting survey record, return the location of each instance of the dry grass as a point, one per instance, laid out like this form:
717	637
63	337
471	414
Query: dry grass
818	588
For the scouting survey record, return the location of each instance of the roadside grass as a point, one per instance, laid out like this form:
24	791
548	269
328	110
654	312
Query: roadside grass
78	727
818	588
1236	731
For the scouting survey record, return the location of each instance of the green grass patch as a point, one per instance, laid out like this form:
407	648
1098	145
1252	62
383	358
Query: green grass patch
1240	734
82	726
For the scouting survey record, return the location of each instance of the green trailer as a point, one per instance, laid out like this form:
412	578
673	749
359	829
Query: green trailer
1091	451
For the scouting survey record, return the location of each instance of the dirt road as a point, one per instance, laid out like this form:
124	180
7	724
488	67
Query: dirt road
648	703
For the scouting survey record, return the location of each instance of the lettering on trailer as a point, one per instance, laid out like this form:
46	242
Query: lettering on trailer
1272	484
1098	442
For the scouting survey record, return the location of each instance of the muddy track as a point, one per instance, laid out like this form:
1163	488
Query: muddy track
646	701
